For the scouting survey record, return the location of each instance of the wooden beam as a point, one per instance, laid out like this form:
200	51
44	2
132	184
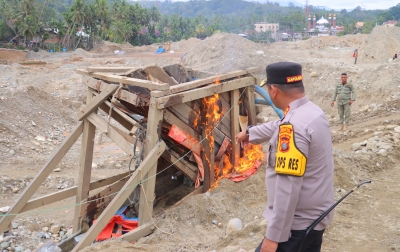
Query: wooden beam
125	80
95	102
139	232
235	127
109	69
186	167
202	92
70	192
118	137
160	74
147	164
85	171
154	125
198	83
251	108
125	95
207	156
54	160
102	199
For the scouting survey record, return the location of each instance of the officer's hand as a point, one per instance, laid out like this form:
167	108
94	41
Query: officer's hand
269	246
241	137
351	102
332	103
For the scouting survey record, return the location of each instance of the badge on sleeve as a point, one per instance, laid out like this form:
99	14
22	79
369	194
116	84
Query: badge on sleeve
289	159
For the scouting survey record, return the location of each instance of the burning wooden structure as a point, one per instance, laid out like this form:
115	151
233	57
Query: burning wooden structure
185	119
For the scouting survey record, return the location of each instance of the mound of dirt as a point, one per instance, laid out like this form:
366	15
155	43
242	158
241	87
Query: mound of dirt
110	47
224	52
330	41
185	45
10	55
381	44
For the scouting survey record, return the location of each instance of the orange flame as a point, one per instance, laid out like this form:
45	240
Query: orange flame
217	81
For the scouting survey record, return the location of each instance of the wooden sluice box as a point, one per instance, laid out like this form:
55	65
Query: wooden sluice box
176	124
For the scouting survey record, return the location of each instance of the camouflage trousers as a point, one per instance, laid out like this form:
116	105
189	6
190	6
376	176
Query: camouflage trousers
344	113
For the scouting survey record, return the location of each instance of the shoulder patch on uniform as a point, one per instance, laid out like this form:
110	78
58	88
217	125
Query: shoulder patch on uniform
289	159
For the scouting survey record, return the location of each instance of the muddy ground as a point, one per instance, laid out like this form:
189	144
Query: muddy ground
40	94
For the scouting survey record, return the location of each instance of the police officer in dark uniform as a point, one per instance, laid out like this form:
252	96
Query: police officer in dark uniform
299	174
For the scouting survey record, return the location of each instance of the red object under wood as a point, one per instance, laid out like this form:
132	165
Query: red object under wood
107	233
248	173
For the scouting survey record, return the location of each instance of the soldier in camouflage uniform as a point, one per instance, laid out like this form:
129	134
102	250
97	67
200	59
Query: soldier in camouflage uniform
346	95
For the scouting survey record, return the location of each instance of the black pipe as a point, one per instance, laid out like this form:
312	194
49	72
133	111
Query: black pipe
315	223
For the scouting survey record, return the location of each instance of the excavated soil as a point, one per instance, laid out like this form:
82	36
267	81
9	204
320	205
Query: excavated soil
39	104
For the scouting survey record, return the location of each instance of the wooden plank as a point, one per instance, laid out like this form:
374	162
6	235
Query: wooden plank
186	167
119	138
251	108
154	125
139	232
85	171
253	70
102	199
235	127
160	74
85	166
122	94
70	192
198	83
147	164
125	80
207	156
95	102
117	116
178	72
199	93
171	118
108	69
54	160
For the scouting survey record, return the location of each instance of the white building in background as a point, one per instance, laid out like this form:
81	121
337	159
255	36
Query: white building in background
265	26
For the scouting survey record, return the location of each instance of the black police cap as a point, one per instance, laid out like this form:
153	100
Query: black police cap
284	73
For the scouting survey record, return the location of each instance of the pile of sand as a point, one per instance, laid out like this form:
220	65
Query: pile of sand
381	44
110	47
329	41
224	52
185	45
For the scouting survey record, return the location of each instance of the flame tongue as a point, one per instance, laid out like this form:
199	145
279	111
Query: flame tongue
252	154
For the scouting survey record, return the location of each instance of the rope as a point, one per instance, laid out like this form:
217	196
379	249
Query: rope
140	182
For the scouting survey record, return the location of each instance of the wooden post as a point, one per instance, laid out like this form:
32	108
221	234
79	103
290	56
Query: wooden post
147	164
207	155
251	108
235	126
85	163
54	160
153	133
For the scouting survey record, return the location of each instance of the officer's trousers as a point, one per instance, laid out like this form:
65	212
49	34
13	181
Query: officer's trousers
344	112
312	243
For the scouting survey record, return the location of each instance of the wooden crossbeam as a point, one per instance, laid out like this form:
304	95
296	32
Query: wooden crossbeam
139	232
122	94
120	198
96	101
197	83
125	80
54	160
69	192
120	138
199	93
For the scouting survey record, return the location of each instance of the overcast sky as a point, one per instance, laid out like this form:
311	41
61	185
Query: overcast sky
339	4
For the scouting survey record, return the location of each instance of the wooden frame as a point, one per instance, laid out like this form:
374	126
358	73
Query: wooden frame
166	106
